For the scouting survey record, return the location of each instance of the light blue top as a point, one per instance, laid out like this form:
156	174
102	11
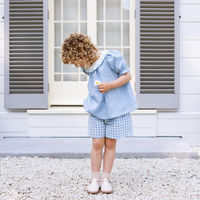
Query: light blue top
114	102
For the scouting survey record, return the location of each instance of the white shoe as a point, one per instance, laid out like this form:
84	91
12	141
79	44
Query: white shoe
94	186
106	186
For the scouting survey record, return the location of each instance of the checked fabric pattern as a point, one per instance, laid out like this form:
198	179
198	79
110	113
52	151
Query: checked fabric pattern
115	128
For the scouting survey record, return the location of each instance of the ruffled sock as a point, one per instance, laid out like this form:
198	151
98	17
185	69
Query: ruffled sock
105	175
95	174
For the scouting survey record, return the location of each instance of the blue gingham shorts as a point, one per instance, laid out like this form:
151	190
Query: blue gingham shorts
115	128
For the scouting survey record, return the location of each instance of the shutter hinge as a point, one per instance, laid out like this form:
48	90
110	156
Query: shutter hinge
48	87
135	13
47	14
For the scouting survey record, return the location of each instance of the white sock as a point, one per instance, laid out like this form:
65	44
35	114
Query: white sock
95	174
105	175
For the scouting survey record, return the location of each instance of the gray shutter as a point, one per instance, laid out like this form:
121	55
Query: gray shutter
157	53
26	83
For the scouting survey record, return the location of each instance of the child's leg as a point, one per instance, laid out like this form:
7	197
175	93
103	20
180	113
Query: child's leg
96	153
109	154
96	158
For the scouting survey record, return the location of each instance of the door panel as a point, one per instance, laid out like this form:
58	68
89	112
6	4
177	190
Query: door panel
111	32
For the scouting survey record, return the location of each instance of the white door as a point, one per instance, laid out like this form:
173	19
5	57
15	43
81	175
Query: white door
107	22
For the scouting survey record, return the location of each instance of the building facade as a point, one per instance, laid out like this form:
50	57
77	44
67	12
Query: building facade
159	40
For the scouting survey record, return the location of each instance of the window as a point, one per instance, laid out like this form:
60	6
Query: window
111	25
108	24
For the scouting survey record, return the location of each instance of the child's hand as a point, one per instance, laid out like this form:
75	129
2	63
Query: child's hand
104	87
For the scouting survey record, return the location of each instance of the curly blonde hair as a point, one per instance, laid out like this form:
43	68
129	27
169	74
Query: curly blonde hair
78	47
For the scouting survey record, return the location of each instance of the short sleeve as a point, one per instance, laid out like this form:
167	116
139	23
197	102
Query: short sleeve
117	63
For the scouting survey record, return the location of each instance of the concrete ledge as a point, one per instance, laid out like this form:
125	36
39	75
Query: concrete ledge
144	147
78	110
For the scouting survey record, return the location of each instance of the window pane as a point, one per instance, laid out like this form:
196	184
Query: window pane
69	28
99	9
57	32
57	10
126	34
57	60
100	34
84	28
113	34
57	77
67	77
113	11
70	10
114	49
83	11
127	56
68	68
126	8
83	77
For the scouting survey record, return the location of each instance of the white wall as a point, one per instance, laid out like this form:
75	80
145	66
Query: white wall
189	41
1	48
186	120
12	123
16	123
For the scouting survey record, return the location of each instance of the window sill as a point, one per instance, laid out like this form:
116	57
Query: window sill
78	110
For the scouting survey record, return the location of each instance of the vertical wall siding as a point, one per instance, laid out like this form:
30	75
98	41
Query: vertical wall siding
185	120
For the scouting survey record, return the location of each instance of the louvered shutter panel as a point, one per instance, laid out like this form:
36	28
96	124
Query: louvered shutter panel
157	53
26	80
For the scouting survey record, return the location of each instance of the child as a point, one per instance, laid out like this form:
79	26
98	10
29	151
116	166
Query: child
109	102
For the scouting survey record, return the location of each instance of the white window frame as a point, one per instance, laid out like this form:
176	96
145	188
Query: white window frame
92	32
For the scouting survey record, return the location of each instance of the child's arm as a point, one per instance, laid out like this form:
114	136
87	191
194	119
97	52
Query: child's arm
123	79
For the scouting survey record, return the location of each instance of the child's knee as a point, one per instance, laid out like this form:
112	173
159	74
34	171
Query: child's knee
98	143
110	143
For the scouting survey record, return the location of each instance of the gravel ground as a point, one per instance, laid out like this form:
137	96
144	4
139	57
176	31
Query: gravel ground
138	179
